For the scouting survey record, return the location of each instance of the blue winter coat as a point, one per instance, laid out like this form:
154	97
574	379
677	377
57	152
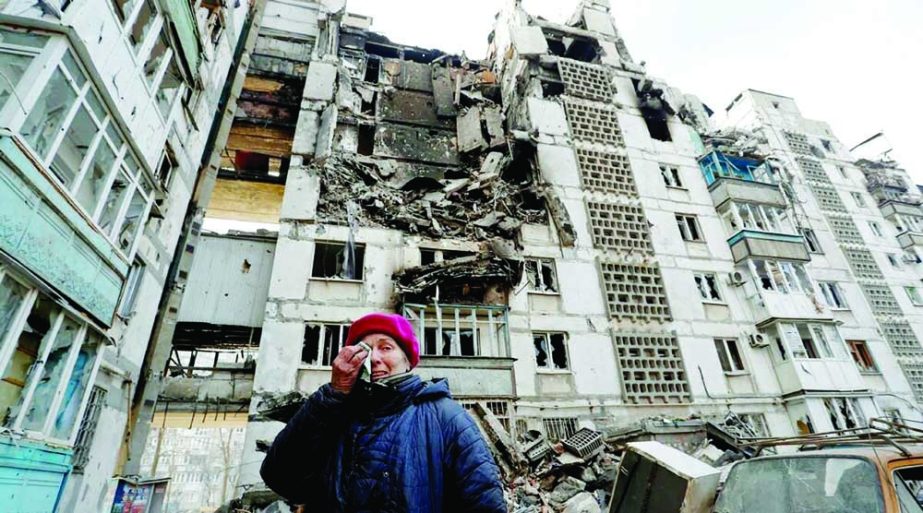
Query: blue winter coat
408	449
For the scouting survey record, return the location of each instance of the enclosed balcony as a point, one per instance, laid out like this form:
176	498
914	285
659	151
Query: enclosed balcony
762	231
784	290
741	179
811	356
467	344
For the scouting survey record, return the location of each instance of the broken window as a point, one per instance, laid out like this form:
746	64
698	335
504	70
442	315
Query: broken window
12	295
832	295
334	260
708	287
783	277
167	166
541	275
122	8
729	355
133	220
670	175
13	379
169	88
46	120
799	483
550	350
453	343
17	50
322	343
118	193
689	227
155	59
130	291
810	239
142	24
60	340
859	350
93	186
892	259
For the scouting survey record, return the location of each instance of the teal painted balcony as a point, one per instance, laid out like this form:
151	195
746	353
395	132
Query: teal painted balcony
740	179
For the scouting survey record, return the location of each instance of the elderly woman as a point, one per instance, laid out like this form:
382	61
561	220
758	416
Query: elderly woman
396	444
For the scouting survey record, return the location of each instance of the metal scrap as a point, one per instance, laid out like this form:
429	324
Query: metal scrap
458	278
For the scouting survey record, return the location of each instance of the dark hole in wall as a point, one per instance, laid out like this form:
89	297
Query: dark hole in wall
531	200
556	47
551	88
382	50
658	128
521	168
369	107
434	346
582	49
372	70
366	140
427	256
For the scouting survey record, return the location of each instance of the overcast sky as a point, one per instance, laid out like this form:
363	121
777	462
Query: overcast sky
856	64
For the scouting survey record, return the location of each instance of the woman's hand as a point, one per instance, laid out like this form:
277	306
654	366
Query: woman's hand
346	368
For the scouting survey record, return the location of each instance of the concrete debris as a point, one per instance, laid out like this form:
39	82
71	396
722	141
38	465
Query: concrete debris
466	279
475	204
652	101
278	407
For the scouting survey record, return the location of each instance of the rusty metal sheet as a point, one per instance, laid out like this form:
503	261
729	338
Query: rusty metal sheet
410	75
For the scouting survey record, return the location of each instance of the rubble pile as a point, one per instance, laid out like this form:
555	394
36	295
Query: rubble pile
434	201
458	278
574	475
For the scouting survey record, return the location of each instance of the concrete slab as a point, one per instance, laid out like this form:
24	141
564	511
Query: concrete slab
547	117
320	80
529	40
597	21
558	165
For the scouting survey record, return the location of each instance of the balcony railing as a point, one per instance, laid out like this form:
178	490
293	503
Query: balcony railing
717	165
460	330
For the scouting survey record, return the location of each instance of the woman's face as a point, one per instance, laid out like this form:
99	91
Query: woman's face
388	358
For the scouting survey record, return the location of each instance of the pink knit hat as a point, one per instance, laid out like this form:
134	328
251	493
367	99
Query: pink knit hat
393	325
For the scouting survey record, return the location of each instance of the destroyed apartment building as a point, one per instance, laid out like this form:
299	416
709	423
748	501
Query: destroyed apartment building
201	198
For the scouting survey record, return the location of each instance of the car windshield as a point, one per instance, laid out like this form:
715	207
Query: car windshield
802	484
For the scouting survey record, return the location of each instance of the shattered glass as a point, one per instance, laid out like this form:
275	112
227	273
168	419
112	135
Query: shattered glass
802	484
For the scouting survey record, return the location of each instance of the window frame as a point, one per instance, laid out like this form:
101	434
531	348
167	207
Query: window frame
318	363
811	240
914	295
876	229
550	367
687	223
862	356
858	199
730	365
671	176
540	263
709	280
8	343
831	290
360	268
50	59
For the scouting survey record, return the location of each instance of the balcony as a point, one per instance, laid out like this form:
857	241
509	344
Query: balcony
740	179
812	357
467	344
910	239
768	245
783	291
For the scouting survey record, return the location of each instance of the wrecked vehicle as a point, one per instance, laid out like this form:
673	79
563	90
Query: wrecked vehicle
878	469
